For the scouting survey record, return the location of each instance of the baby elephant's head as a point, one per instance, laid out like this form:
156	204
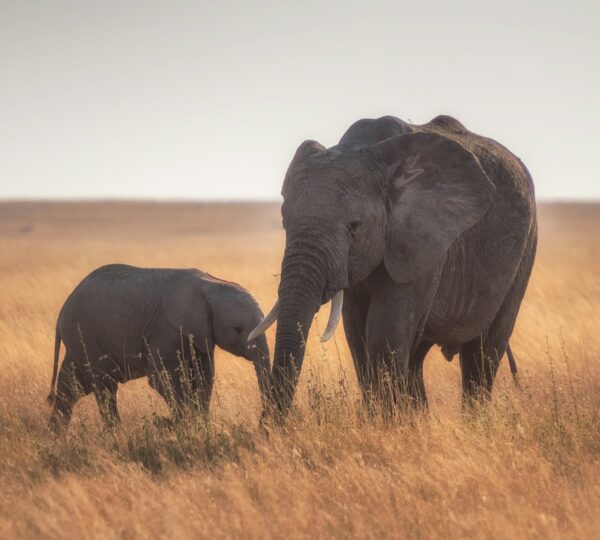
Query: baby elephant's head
235	315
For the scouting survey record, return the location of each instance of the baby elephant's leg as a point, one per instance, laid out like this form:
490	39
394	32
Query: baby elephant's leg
203	378
105	391
181	382
69	390
101	373
163	369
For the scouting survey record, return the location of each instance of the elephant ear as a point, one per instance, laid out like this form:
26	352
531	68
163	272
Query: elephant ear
185	307
306	151
437	190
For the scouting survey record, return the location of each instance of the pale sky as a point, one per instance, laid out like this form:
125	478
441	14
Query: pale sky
209	100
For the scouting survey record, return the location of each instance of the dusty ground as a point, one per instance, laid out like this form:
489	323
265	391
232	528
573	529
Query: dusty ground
528	466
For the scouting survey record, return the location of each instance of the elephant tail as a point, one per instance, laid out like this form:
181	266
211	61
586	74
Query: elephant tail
513	366
52	395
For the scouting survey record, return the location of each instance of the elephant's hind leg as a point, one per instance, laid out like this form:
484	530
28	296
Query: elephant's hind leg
480	358
69	389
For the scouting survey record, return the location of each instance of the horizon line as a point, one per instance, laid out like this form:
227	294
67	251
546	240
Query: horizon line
192	200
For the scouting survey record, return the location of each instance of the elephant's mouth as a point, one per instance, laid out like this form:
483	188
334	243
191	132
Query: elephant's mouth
327	295
333	288
337	302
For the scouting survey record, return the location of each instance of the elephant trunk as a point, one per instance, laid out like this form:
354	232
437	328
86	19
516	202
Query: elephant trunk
258	354
303	279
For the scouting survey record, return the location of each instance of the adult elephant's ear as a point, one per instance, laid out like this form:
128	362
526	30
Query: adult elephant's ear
305	152
437	190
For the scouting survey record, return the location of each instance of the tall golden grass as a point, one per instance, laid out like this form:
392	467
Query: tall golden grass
528	465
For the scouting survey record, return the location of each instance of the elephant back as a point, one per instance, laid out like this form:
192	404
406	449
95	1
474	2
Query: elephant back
370	131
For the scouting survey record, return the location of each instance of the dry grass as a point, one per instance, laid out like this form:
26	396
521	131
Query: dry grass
528	466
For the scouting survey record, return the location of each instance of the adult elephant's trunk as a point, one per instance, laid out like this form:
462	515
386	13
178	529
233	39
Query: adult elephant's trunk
309	276
297	308
303	278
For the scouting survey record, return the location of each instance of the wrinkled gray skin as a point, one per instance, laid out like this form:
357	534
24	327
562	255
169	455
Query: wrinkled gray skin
122	323
431	232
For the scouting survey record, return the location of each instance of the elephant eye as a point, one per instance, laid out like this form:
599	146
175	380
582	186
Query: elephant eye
354	225
238	329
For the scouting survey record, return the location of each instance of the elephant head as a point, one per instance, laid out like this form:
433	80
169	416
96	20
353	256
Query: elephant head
400	202
235	313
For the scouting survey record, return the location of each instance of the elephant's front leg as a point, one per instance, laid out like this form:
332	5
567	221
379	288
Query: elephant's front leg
395	323
183	381
416	382
105	391
167	373
355	311
388	350
203	377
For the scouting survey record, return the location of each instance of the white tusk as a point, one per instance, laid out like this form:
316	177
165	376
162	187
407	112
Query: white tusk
334	314
265	323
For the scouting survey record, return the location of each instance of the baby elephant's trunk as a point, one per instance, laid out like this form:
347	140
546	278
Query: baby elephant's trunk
258	353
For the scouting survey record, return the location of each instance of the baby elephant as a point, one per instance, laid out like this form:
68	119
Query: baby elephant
122	322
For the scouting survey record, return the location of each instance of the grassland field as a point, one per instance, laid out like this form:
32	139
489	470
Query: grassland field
526	466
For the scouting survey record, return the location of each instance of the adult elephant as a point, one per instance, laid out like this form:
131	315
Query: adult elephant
425	234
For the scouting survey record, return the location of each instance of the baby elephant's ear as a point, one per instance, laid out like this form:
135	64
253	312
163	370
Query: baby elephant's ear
437	190
186	309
